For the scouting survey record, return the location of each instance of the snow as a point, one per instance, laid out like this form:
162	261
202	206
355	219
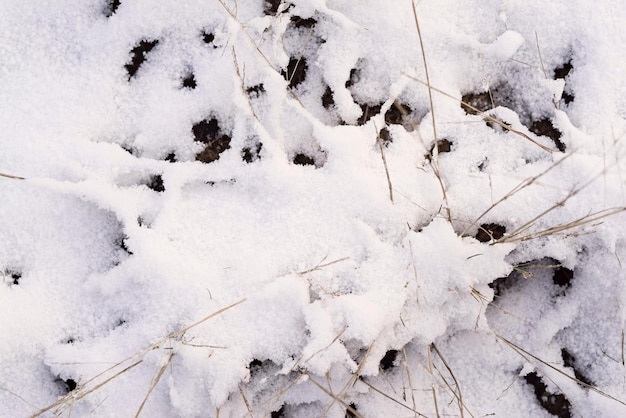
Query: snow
338	255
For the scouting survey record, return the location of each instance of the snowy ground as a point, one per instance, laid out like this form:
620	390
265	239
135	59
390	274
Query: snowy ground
249	208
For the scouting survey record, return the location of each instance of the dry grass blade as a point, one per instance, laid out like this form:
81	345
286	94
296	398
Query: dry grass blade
515	233
380	392
73	397
320	266
521	186
408	373
84	391
9	176
155	381
351	381
483	114
335	398
245	401
591	218
382	153
525	354
435	156
458	396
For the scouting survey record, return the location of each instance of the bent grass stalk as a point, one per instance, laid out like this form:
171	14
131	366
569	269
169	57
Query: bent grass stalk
84	390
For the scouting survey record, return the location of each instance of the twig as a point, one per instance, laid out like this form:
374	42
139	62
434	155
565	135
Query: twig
9	176
435	156
521	351
382	153
155	381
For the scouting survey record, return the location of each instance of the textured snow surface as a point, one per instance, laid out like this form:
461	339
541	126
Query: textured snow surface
242	208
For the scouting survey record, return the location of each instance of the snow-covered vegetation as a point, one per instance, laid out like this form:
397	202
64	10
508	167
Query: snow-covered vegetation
312	208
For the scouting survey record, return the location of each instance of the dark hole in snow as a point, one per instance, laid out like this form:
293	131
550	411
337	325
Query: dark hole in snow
70	385
138	56
122	244
296	71
480	101
328	100
368	112
563	276
443	145
567	97
156	183
13	276
303	159
397	113
270	7
389	360
385	137
544	127
128	149
208	38
189	81
278	414
208	132
300	22
69	341
255	91
171	158
353	78
488	232
349	413
563	70
570	361
111	7
252	153
555	404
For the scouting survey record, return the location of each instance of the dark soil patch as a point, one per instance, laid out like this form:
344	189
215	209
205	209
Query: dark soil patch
478	102
385	137
389	360
303	159
121	242
255	91
563	276
208	132
353	78
111	7
368	112
299	22
398	113
328	100
189	81
156	183
555	404
278	414
563	70
296	71
443	145
570	361
208	38
544	127
12	276
489	232
138	56
349	413
252	153
270	7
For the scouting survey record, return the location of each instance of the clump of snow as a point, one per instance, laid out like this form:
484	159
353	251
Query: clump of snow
262	208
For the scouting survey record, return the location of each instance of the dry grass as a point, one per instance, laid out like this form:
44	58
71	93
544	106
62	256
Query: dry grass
95	382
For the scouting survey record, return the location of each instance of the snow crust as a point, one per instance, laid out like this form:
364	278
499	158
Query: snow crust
333	258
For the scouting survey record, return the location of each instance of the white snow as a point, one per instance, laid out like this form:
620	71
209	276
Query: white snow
332	258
